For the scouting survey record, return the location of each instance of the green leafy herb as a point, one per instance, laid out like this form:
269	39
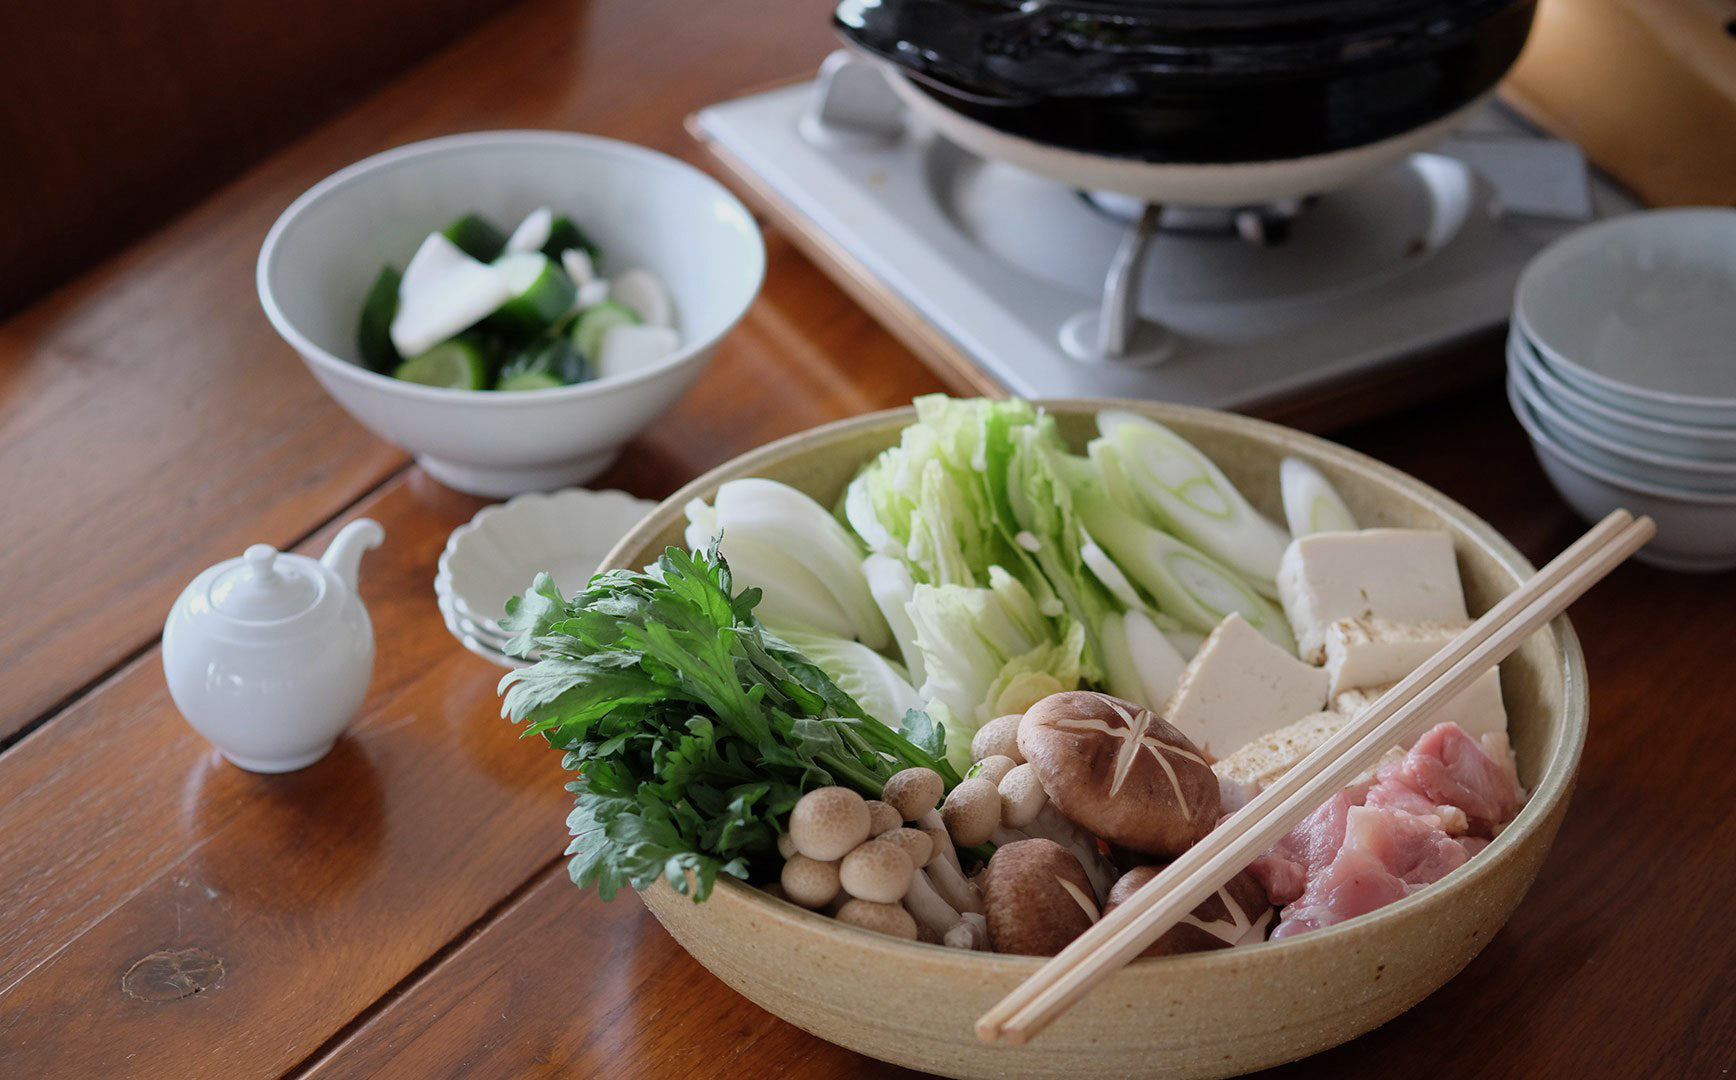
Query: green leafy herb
693	729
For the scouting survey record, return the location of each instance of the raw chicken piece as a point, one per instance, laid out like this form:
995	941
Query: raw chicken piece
1411	848
1394	793
1355	884
1372	844
1451	769
1284	880
1305	851
1387	854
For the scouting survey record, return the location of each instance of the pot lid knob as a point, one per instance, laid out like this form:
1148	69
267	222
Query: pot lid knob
264	588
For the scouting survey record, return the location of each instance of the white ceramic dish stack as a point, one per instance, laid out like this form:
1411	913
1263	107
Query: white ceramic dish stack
1621	366
497	553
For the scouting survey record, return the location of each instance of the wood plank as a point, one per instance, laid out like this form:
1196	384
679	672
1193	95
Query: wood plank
320	890
124	126
1582	981
151	421
611	995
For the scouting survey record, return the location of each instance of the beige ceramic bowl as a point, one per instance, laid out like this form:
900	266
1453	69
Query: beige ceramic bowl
1204	1015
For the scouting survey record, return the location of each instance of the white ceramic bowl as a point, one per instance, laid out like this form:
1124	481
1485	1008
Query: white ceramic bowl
643	208
1598	448
1705	444
1639	312
1696	531
496	554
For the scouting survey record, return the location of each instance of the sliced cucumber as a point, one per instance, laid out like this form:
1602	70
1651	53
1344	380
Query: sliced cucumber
630	347
645	294
563	234
570	364
532	233
476	237
456	365
444	292
593	323
560	359
374	332
529	380
541	293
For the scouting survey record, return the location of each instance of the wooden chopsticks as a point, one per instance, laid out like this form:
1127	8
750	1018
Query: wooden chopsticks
1395	719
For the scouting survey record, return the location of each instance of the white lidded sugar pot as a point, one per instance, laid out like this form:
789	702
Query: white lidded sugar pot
269	655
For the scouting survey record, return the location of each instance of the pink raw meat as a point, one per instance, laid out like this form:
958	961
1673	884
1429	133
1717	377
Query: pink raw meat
1284	880
1304	851
1394	792
1411	848
1355	884
1450	768
1387	854
1370	845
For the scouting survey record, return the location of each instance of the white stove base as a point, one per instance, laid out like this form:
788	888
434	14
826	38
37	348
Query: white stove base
915	219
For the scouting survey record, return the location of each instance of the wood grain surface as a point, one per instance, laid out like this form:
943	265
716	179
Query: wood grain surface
123	113
1652	819
400	909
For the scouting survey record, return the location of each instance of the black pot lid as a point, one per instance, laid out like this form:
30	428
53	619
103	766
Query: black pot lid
1007	52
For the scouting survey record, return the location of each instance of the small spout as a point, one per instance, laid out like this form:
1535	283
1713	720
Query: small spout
344	556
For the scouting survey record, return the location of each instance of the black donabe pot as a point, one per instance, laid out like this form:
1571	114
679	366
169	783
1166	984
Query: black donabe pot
1198	81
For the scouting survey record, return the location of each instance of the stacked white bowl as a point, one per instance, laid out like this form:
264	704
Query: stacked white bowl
1621	365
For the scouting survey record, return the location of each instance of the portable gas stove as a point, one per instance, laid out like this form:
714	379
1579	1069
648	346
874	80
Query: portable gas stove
1006	281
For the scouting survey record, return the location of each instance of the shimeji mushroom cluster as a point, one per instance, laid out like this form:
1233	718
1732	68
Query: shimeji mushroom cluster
1081	797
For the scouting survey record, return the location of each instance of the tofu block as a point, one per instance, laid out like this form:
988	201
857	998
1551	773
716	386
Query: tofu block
1477	708
1371	651
1268	757
1408	575
1240	685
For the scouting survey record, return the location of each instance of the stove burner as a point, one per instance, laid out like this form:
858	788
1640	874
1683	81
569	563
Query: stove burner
1264	225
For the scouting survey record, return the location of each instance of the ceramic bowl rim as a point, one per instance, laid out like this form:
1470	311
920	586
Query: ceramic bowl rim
1555	779
1610	229
641	156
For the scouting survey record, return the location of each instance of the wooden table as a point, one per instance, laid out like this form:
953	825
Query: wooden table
402	908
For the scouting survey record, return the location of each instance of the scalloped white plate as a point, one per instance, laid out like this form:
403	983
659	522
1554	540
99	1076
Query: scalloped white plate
467	633
494	638
499	551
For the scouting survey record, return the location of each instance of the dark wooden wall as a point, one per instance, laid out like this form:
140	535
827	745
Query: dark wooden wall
116	114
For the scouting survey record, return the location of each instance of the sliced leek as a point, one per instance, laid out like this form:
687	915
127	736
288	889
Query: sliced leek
1183	581
1171	484
1311	504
